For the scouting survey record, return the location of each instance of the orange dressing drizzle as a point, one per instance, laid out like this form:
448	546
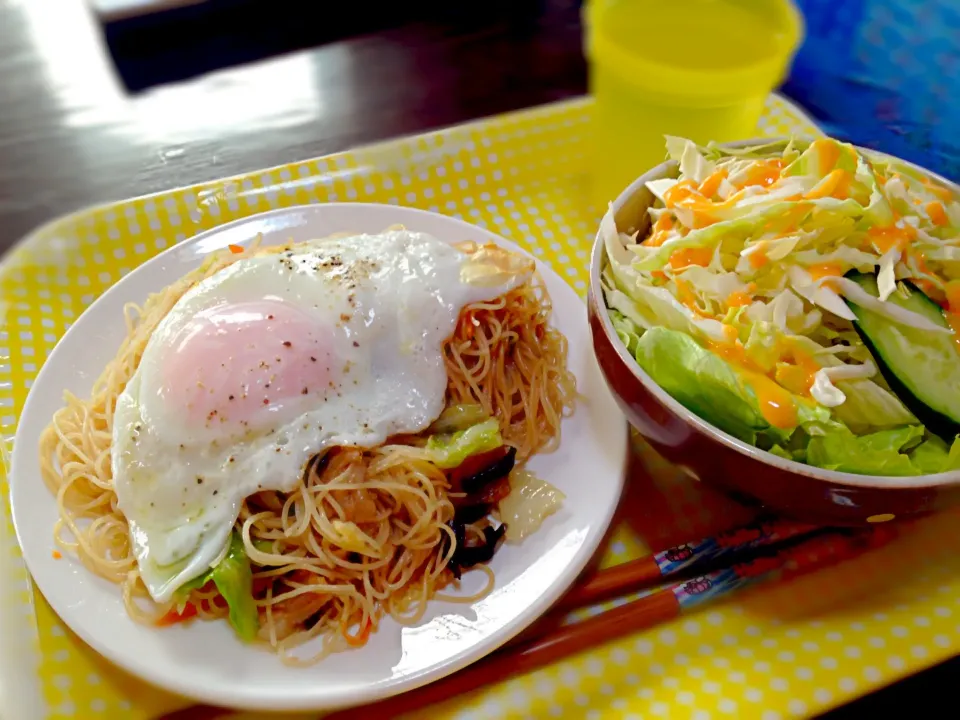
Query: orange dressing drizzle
758	258
661	229
938	190
937	214
687	297
711	184
885	238
776	404
827	269
691	256
687	195
952	314
835	184
763	172
739	298
730	333
952	291
828	152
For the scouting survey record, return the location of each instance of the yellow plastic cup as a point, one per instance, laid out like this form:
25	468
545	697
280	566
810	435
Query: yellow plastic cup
700	69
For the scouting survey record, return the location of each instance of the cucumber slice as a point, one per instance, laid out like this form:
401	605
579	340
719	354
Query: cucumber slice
922	368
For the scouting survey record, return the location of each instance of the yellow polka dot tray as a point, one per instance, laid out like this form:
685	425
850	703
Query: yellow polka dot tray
787	649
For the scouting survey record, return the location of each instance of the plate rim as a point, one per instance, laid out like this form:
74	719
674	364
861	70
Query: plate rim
477	650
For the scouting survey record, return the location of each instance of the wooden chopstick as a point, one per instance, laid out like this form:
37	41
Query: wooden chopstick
726	547
548	639
659	607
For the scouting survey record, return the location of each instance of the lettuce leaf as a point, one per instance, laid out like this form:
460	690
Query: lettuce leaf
234	580
708	385
450	450
627	330
879	453
810	161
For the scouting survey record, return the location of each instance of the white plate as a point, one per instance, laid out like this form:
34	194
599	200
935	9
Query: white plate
204	660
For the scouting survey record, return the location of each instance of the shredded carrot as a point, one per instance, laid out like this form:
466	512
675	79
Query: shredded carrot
189	611
360	639
235	249
937	214
56	555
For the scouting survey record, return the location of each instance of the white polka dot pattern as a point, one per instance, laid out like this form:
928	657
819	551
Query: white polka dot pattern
779	652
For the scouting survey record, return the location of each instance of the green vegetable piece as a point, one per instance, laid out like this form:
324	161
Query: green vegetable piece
449	451
234	580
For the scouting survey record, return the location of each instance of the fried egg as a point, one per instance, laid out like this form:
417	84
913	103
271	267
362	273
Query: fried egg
270	361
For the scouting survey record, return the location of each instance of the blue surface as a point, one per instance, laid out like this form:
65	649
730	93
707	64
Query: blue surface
884	74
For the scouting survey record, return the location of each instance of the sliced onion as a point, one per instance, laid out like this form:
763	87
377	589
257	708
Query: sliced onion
888	310
825	392
851	372
829	300
530	501
886	281
828	394
660	187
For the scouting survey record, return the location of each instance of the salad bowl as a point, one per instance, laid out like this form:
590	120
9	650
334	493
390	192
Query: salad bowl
775	479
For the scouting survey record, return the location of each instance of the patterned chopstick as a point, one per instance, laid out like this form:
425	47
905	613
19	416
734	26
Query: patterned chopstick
686	558
646	612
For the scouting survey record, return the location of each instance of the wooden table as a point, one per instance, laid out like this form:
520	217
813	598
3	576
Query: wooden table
70	136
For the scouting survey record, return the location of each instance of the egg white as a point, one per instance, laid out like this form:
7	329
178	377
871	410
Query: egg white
383	306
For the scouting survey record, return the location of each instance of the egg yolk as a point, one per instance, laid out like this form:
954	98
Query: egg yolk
232	363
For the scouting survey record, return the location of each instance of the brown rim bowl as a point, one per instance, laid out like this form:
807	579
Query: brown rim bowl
712	456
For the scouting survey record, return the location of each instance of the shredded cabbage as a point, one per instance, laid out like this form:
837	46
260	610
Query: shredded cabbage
745	258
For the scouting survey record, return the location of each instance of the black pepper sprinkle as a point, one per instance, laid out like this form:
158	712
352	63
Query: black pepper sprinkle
304	391
287	343
230	398
267	385
356	344
199	481
312	359
215	492
232	459
152	504
269	317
